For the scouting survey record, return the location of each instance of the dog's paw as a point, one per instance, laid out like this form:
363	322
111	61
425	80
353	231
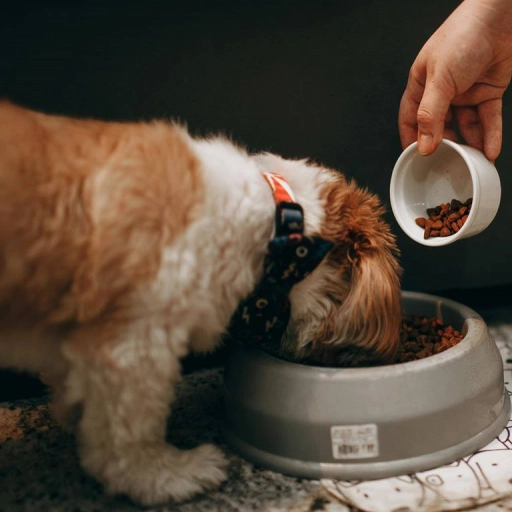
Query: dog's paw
164	474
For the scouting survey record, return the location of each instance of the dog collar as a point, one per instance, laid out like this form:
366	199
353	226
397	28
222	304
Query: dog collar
291	256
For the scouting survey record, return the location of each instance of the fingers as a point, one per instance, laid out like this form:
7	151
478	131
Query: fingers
469	126
489	113
481	127
450	132
407	124
431	116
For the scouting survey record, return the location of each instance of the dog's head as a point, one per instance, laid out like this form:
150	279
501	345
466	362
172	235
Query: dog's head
347	312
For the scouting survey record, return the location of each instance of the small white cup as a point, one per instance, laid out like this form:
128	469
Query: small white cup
453	171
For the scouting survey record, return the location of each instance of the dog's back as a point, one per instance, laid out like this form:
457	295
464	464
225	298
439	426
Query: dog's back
84	203
42	228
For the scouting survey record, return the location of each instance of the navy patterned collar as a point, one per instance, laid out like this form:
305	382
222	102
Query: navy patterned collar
291	256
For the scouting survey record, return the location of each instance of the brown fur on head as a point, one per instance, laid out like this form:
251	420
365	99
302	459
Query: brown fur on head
348	312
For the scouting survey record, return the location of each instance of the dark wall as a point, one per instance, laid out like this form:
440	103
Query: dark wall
319	79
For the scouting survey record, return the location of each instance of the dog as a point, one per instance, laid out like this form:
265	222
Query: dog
124	246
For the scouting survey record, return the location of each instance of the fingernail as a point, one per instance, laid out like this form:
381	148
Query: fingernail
425	144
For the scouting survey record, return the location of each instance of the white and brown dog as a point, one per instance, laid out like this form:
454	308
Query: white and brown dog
125	246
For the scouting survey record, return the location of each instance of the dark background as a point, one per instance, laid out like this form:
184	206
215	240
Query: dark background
317	79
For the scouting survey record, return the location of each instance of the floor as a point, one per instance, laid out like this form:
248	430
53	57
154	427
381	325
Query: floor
39	471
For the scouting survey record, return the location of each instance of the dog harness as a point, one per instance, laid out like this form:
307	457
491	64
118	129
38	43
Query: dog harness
291	256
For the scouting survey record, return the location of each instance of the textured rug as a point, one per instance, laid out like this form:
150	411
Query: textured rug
39	469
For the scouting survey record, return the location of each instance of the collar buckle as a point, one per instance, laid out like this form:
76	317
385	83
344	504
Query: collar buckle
289	219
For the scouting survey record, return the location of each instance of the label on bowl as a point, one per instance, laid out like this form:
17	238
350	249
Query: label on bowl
355	441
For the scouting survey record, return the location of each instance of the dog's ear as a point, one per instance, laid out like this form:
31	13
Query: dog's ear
366	251
375	295
146	196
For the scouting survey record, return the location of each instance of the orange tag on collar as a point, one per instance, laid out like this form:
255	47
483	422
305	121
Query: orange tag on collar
280	188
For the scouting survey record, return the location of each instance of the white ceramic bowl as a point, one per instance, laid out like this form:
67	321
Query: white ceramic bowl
366	423
453	171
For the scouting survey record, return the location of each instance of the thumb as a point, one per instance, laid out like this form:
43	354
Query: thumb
431	116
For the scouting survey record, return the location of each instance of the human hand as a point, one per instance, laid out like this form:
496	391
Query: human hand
458	79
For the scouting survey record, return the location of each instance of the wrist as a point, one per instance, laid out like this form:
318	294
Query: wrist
489	21
494	14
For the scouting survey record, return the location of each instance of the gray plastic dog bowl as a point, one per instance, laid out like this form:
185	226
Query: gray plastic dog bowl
368	423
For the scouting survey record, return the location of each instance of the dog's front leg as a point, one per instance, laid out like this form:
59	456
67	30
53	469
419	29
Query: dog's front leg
124	378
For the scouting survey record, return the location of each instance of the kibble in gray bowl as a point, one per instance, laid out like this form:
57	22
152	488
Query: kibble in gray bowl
368	423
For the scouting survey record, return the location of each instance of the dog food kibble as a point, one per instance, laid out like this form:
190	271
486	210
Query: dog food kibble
445	219
422	337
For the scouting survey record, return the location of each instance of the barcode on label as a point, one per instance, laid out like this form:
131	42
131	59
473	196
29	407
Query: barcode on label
354	441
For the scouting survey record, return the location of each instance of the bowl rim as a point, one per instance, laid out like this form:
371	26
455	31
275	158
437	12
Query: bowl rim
475	334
